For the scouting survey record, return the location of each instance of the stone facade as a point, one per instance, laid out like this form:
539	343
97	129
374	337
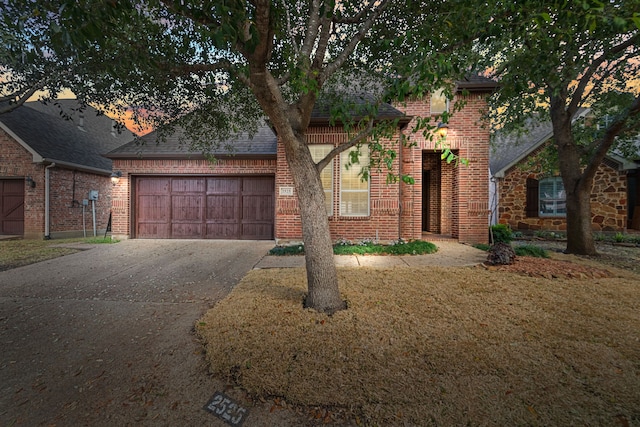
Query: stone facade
608	201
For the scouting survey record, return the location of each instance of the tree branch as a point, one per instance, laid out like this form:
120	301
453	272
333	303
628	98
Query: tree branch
312	30
23	98
365	133
350	48
607	140
586	78
175	7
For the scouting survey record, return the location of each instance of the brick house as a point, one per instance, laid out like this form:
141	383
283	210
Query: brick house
527	197
48	166
169	192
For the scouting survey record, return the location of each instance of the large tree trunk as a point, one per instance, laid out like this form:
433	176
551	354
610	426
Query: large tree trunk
322	278
577	184
579	234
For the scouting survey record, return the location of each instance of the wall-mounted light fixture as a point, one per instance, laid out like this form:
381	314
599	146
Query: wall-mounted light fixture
115	177
442	129
30	182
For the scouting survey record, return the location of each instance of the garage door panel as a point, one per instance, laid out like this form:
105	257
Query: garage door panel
257	185
186	230
186	208
257	208
154	230
210	208
187	185
225	208
153	208
217	230
223	185
148	186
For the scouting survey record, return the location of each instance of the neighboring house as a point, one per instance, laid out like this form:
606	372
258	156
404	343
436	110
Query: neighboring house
169	192
526	196
50	162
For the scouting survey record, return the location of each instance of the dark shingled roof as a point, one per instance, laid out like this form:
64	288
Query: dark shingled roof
509	148
75	142
476	83
321	114
263	144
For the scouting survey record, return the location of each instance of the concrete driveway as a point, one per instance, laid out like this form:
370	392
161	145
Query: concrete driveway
104	336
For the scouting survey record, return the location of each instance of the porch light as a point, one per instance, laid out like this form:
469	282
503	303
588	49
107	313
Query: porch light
442	129
30	182
115	177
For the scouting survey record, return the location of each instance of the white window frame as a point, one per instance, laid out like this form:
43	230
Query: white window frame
554	201
319	152
344	161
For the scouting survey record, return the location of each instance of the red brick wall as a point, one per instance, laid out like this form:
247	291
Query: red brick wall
464	191
68	189
122	219
383	221
65	218
608	201
395	209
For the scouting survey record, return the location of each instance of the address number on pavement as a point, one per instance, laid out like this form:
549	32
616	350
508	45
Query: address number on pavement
226	409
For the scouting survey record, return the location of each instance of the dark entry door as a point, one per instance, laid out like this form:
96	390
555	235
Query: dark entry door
205	207
12	206
426	185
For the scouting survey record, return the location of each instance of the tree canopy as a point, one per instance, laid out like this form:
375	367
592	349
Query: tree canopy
553	59
217	68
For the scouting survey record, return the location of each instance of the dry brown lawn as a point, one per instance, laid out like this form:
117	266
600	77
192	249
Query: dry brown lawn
437	346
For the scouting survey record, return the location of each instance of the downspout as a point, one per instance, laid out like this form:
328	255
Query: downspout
47	184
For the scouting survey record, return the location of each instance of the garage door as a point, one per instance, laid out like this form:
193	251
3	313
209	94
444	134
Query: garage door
12	206
205	207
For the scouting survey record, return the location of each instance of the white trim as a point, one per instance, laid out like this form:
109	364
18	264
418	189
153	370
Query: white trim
340	191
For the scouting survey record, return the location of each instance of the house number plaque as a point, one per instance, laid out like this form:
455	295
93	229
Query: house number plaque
286	191
226	409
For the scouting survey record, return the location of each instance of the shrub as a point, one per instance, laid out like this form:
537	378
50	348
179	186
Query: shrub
287	250
501	254
532	251
414	247
501	233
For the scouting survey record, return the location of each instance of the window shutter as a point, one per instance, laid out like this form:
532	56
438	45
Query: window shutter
532	198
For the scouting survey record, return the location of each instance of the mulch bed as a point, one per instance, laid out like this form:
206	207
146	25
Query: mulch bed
553	269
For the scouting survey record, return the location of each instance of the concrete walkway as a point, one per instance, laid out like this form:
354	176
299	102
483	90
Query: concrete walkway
450	254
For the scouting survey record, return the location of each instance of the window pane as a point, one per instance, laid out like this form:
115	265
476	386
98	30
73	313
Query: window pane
354	192
552	197
439	103
318	152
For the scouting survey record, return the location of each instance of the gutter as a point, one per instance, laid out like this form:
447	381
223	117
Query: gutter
47	185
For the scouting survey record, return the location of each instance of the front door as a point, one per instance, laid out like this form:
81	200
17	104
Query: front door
12	206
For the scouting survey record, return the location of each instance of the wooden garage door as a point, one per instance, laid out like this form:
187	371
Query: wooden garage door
205	207
12	206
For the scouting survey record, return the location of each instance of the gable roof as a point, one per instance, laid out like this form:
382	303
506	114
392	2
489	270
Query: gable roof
508	149
263	145
77	142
